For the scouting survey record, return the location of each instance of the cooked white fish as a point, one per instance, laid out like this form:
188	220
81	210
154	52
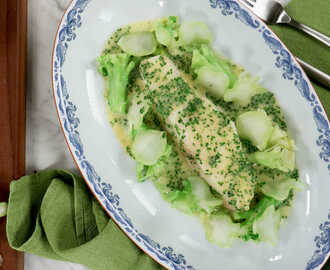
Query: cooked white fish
203	133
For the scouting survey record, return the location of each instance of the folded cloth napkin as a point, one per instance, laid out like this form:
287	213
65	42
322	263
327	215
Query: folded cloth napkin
53	214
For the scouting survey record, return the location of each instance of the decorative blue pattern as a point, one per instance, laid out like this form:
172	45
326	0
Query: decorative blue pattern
232	7
68	115
292	72
323	248
111	201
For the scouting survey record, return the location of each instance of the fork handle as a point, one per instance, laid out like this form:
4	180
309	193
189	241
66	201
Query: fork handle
314	73
310	31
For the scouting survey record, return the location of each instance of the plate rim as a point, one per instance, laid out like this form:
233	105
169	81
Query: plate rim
174	261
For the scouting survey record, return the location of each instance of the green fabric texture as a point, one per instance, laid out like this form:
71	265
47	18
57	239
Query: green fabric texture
316	14
52	214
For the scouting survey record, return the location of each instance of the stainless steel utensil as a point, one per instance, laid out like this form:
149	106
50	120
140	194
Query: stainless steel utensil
314	73
273	12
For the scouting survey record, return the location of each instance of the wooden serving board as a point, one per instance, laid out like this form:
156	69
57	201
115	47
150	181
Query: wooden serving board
13	28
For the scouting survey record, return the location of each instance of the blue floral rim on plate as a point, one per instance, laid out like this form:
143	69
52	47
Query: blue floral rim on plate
67	113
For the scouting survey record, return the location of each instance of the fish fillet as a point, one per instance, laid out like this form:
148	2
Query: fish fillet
203	133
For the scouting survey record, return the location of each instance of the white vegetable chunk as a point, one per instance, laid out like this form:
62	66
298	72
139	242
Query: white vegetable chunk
149	146
221	231
244	89
138	43
279	189
214	82
256	127
194	32
267	225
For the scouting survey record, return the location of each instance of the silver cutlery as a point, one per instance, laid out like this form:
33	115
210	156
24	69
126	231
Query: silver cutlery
273	12
315	73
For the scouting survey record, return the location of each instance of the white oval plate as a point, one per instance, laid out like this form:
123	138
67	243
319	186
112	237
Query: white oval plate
173	239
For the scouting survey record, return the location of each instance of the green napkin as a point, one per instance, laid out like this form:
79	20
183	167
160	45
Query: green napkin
316	14
52	214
